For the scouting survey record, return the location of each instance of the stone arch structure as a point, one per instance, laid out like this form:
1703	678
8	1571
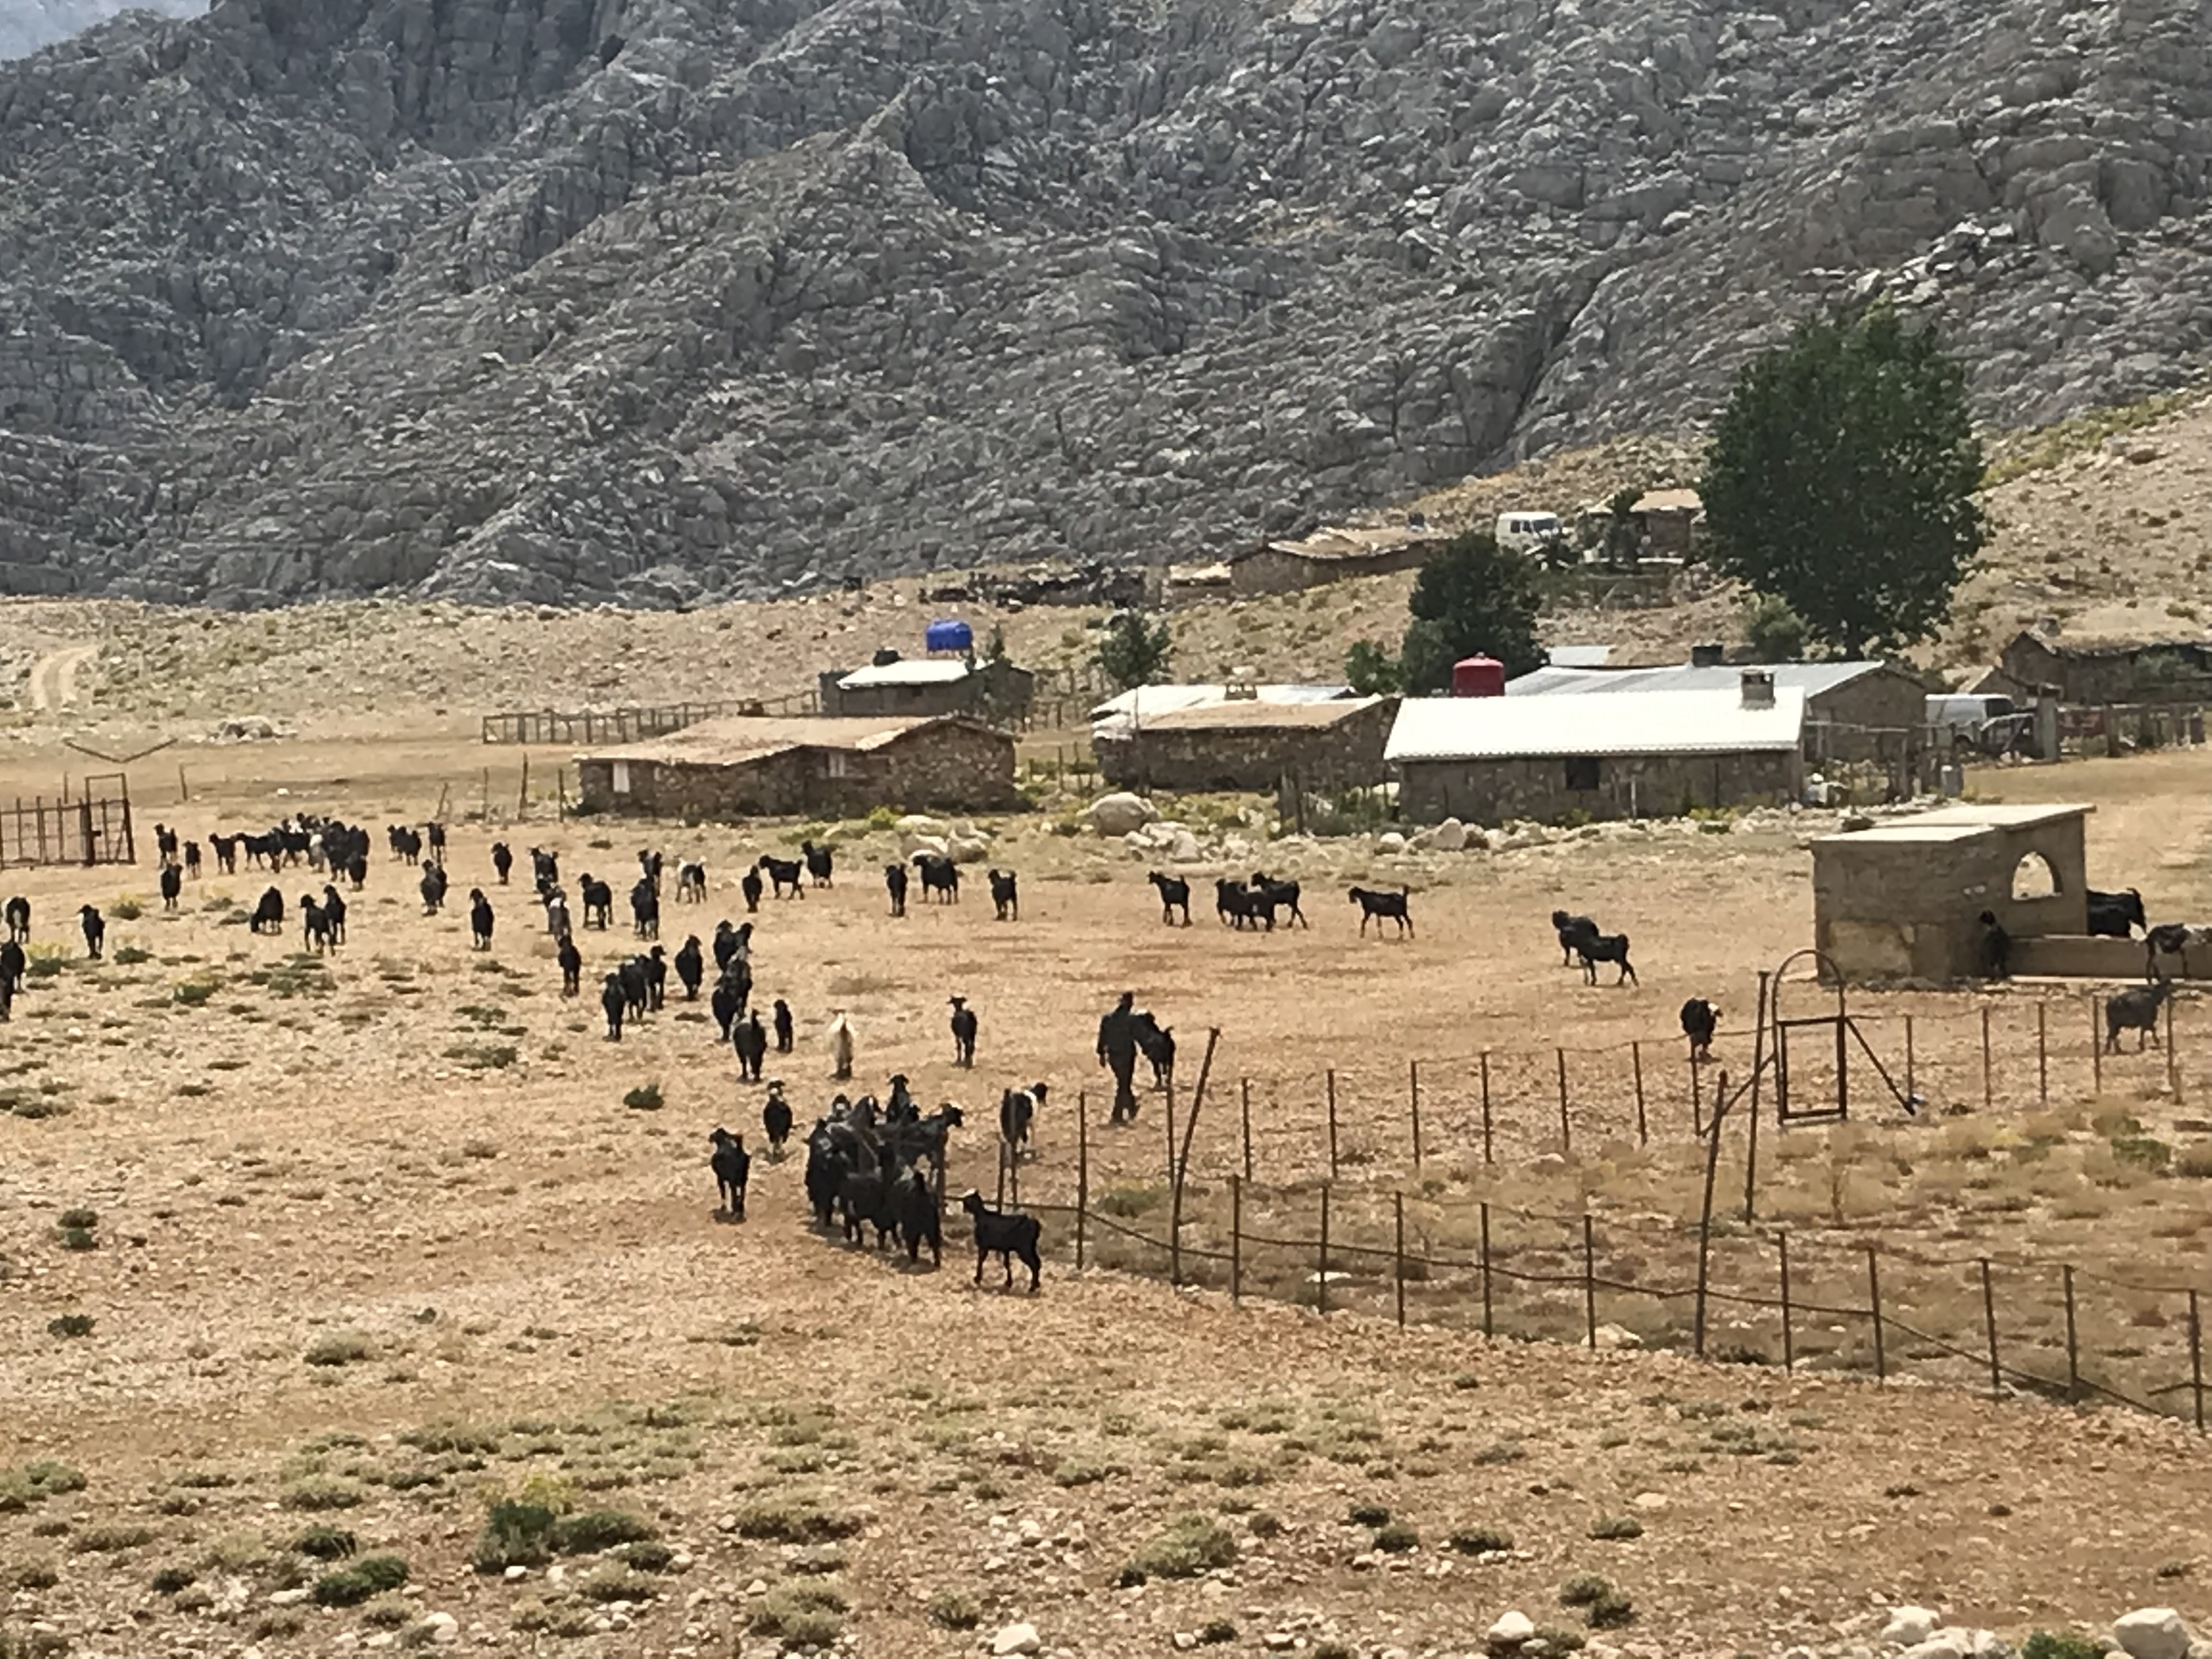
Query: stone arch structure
2033	878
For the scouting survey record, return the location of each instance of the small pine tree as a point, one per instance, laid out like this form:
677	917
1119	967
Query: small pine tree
1133	652
1371	670
1473	596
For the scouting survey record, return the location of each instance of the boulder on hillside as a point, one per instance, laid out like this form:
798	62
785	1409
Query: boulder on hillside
1120	813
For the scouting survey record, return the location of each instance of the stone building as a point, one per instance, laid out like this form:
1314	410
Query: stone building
1903	900
1248	744
1331	555
816	765
931	685
2130	671
1647	754
1853	710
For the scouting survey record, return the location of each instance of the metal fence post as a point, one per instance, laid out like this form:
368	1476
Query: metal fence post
1489	1325
1589	1280
1245	1083
1567	1136
2073	1340
1789	1341
1332	1122
1989	1078
1990	1327
1320	1282
1488	1155
1873	1300
2042	1054
1398	1209
1414	1099
1082	1171
1236	1242
1636	1060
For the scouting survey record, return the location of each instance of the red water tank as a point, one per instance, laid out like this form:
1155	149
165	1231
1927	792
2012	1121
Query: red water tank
1478	676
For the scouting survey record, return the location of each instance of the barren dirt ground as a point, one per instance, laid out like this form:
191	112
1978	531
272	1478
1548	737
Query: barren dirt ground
375	1238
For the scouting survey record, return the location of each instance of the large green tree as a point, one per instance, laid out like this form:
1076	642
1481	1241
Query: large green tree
1133	652
1841	478
1473	596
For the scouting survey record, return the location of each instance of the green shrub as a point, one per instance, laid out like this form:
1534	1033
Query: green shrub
126	908
614	1582
344	1348
319	1496
1189	1546
373	1575
81	1220
802	1615
1609	1611
130	956
516	1533
2143	1151
1480	1541
196	993
951	1610
1260	1524
1617	1528
69	1325
111	1539
387	1612
1368	1514
323	1542
647	1555
32	1575
1396	1538
169	1580
597	1530
1214	1632
2060	1644
794	1522
29	1484
646	1097
1582	1590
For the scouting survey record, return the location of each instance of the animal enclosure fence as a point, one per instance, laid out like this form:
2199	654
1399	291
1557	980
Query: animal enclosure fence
632	725
88	828
1376	1189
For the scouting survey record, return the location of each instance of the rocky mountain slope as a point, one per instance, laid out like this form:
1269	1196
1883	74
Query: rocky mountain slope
659	300
26	25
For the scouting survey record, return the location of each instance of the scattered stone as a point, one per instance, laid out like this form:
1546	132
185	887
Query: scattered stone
2151	1633
1616	1338
1119	814
1909	1627
1016	1639
1510	1631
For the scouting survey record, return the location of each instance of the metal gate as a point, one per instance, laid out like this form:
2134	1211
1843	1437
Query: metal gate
88	828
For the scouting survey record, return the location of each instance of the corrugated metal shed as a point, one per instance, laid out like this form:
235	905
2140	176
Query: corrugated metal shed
1649	723
1812	678
921	671
739	737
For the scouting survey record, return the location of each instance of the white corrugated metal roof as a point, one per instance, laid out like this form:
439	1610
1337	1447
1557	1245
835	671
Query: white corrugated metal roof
1578	656
1649	723
1812	678
1147	700
922	670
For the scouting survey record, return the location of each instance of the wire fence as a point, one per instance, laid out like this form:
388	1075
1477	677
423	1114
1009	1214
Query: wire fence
630	724
1348	1190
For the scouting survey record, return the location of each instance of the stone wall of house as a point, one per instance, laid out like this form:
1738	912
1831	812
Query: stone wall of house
946	768
1877	716
1650	786
1270	570
995	691
1346	754
1912	909
2114	676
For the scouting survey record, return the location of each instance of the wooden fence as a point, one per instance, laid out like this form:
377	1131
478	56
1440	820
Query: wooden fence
87	829
632	725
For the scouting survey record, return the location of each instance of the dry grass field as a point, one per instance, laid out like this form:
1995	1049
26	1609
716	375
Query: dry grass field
360	1246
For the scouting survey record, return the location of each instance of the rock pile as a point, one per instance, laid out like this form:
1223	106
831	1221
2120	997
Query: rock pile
515	304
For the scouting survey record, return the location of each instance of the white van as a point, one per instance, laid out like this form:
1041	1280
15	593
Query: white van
1966	712
1529	533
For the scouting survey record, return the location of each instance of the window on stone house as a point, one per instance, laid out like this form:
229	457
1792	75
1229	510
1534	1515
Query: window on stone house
1581	771
838	763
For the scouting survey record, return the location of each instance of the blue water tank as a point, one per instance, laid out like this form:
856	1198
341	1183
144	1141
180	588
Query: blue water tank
950	634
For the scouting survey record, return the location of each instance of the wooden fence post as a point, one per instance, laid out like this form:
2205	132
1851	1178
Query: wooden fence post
1589	1281
1636	1060
1566	1137
1873	1300
1320	1283
1990	1329
1751	1150
1398	1208
2096	1046
1246	1092
1414	1099
1236	1242
1488	1152
1911	1093
1332	1122
1082	1170
1489	1326
2197	1360
1000	1202
1989	1082
1705	1212
1179	1162
1789	1341
2042	1054
2073	1342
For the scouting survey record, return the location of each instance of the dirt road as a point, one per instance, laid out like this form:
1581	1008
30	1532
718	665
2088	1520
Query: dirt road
54	677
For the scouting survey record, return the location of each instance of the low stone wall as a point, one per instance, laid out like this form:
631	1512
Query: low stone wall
1651	786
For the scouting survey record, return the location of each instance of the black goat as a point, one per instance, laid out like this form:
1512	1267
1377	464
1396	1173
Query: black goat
616	1002
655	963
783	873
750	1041
1279	895
544	868
637	987
173	883
1005	1236
192	860
645	909
1574	932
726	945
2136	1011
13	966
691	884
734	1167
269	914
921	1216
1699	1020
1379	907
964	1033
818	862
826	1168
1004	897
1156	1043
314	926
775	1119
226	852
2175	939
502	860
1237	905
2116	915
480	920
649	865
780	1022
436	836
1997	947
19	919
572	966
433	888
334	911
690	966
598	900
749	885
1606	947
730	993
894	885
941	876
1174	895
1017	1113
